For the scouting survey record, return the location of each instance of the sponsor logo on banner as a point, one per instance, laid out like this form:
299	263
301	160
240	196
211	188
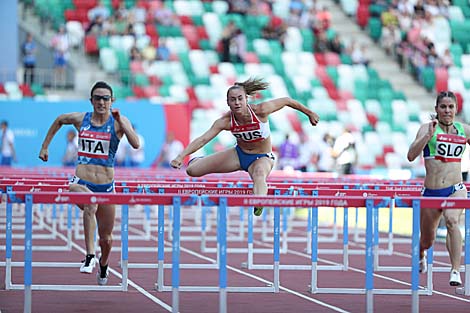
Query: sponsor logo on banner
62	199
95	199
447	204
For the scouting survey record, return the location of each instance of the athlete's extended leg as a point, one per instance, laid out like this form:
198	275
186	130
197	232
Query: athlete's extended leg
429	221
89	220
259	171
105	217
454	237
221	162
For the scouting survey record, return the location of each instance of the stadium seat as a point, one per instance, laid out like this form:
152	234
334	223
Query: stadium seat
91	45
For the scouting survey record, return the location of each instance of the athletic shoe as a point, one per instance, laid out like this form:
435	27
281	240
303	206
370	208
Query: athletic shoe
194	159
258	211
455	278
88	264
102	279
423	265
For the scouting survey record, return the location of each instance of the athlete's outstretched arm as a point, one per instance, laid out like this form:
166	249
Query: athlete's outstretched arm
270	106
199	142
63	119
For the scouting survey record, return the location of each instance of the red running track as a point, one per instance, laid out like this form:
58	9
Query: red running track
293	297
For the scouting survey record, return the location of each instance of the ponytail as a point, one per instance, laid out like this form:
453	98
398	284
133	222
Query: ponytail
250	86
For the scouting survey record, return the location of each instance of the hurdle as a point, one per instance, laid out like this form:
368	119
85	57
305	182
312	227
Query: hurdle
27	198
51	197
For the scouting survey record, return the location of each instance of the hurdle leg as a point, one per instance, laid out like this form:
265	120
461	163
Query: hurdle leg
369	257
203	228
415	258
308	250
284	230
390	226
429	274
466	289
314	248
124	244
277	229
345	239
8	243
28	254
222	226
161	246
375	217
249	264
356	226
175	254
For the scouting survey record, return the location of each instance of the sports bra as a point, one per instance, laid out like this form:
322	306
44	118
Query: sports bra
252	132
97	144
446	147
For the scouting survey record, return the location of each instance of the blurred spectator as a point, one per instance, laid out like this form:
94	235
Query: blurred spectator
149	52
134	54
446	59
295	16
308	18
276	29
238	46
71	149
122	10
335	45
359	54
99	10
163	52
137	156
344	151
121	24
28	50
321	43
391	37
419	9
96	26
306	151
389	17
323	17
238	6
288	154
226	39
165	16
8	154
60	44
170	150
323	154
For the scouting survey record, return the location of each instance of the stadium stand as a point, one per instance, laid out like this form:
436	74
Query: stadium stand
171	51
430	39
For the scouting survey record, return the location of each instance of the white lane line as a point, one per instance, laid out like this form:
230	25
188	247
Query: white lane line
293	292
131	283
375	275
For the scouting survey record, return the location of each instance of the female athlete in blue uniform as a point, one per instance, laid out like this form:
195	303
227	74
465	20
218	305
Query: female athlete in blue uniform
442	142
250	126
99	133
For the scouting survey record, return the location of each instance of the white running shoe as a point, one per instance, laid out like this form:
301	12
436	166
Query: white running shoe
88	264
455	278
102	280
423	265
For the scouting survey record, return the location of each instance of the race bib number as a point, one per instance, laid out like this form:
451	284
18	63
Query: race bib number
94	144
449	148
